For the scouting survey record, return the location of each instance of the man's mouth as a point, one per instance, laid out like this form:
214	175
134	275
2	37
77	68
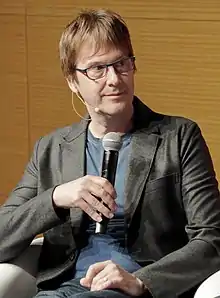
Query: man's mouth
115	94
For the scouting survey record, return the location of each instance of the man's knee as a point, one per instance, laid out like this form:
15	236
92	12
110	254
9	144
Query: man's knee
49	294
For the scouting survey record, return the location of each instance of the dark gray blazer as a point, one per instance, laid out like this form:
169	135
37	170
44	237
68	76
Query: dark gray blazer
172	204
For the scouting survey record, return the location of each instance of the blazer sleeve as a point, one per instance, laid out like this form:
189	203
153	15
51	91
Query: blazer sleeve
185	268
26	213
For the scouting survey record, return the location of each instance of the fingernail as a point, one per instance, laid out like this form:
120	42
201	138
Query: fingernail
111	215
99	218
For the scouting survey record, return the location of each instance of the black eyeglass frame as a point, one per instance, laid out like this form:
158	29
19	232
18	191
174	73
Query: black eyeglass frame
84	71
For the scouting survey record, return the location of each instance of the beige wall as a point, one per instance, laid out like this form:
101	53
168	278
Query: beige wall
177	45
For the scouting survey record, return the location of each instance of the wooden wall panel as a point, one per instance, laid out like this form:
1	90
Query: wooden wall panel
12	7
50	98
179	71
13	102
3	197
179	68
148	9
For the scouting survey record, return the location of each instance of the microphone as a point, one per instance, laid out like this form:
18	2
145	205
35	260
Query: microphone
112	143
96	109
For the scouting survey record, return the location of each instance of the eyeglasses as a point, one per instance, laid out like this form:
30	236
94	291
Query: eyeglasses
122	65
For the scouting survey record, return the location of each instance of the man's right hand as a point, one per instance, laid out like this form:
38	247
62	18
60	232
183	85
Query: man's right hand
88	193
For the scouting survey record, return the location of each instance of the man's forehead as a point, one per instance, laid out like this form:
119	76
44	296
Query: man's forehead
91	54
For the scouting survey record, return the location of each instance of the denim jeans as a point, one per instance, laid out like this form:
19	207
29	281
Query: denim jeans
73	289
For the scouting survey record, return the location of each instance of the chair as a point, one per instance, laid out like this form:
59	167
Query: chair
17	278
210	288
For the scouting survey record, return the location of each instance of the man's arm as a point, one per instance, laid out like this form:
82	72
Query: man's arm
185	268
25	214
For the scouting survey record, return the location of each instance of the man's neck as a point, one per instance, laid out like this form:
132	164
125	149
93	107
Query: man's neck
99	129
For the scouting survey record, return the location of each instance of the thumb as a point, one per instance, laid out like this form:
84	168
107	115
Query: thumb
84	282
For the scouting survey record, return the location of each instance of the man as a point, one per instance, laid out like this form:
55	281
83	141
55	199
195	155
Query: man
163	236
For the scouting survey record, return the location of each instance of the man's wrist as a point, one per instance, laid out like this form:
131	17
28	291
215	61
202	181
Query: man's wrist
62	213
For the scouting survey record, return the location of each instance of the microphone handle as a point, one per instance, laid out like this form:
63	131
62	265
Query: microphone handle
109	166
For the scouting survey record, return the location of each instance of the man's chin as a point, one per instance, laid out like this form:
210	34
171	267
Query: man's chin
119	111
115	109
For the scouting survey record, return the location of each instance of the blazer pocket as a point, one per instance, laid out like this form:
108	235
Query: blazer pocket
167	182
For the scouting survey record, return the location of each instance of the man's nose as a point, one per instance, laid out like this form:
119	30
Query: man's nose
112	75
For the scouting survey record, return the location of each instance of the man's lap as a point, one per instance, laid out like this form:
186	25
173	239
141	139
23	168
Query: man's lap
73	289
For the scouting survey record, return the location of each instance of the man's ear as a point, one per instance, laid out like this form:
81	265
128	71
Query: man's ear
72	85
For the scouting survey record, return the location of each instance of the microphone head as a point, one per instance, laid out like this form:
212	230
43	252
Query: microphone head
112	141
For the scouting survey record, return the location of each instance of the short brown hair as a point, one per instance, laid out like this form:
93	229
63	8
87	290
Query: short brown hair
101	27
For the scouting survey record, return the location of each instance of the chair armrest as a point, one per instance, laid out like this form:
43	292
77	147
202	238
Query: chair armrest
28	260
210	288
16	282
17	278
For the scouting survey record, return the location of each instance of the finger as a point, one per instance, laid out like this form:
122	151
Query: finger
106	185
100	192
103	279
99	206
94	205
102	284
82	204
93	271
84	282
120	279
113	276
110	281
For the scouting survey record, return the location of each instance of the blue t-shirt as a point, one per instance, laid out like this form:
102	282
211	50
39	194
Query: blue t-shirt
112	245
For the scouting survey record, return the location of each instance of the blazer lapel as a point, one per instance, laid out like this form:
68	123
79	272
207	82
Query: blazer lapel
72	163
144	144
143	149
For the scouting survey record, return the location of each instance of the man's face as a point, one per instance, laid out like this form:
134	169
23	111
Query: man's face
111	94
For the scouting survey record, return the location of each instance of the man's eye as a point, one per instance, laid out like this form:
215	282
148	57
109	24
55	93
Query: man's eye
120	63
99	67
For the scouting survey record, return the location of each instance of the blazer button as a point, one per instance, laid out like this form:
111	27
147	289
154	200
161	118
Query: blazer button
72	256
